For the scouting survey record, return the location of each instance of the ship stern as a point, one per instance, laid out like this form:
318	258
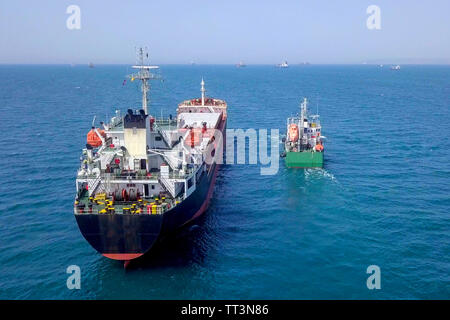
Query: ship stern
305	159
120	236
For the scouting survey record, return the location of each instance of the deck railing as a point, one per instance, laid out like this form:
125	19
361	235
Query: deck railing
137	176
159	208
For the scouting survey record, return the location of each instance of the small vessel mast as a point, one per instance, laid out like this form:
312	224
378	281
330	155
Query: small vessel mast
303	110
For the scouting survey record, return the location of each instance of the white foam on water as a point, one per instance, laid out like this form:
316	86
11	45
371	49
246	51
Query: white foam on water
319	173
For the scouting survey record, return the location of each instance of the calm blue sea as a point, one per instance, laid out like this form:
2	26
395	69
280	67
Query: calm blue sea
382	199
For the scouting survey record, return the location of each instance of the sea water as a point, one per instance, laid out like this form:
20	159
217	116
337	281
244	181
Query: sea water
382	198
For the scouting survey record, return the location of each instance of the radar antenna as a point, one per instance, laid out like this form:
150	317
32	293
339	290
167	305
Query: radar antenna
143	74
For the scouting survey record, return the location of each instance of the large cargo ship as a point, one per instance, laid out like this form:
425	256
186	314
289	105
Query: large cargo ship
141	178
304	141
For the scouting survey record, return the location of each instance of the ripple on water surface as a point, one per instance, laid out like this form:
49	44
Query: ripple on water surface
381	199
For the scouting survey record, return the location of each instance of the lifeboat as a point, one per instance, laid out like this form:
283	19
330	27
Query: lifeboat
93	138
319	147
293	132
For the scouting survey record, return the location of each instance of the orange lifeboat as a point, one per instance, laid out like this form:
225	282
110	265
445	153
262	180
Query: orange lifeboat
93	139
293	132
319	147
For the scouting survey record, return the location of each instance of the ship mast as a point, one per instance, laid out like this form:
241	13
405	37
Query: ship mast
203	90
303	115
144	75
303	109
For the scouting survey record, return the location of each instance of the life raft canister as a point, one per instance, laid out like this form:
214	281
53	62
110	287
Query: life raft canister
293	132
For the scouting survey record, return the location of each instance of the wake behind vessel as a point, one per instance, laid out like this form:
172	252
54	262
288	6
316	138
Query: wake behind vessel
141	178
304	145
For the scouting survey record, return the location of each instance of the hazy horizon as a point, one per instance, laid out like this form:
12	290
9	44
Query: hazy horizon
224	33
227	64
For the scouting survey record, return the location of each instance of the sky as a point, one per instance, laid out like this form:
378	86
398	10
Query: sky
225	31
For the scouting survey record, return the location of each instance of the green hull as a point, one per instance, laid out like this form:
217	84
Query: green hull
305	159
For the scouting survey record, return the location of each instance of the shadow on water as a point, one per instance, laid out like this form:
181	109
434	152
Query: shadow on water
187	246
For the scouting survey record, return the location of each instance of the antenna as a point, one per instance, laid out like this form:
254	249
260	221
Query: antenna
143	74
304	105
93	121
203	90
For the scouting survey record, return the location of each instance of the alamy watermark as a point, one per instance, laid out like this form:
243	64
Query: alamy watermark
73	22
373	22
374	280
263	149
74	280
257	148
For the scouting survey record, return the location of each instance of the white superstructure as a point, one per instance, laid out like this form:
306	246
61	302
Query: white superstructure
138	156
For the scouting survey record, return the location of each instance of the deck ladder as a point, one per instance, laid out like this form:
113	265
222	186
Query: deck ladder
168	185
